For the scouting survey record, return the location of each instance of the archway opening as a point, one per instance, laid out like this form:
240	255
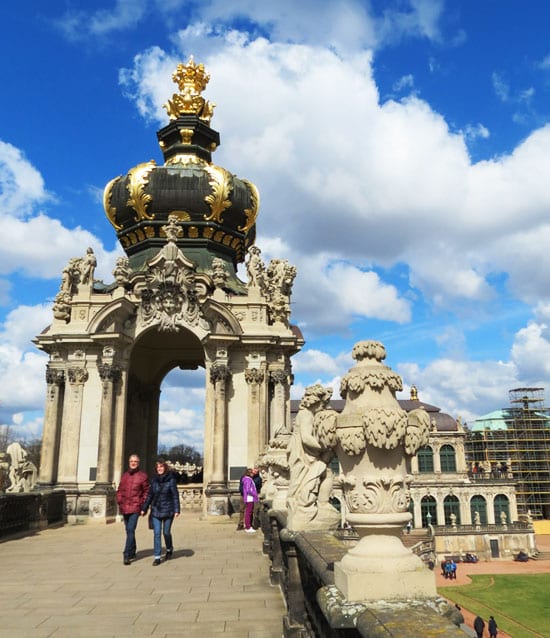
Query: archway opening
154	355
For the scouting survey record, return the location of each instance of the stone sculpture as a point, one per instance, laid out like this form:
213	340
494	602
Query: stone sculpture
22	472
310	450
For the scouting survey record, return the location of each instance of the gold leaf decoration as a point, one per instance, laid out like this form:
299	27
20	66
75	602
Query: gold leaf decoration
138	180
110	211
251	213
218	200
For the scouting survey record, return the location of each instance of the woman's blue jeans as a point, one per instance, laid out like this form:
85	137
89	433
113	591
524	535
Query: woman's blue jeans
162	525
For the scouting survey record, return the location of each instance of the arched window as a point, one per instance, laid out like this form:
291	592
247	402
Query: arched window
478	504
428	508
451	505
425	457
501	506
448	458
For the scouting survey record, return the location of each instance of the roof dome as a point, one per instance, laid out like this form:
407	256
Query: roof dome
216	210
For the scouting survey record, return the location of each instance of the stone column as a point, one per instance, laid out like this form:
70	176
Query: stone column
256	433
219	375
440	510
437	459
110	376
279	378
55	379
70	429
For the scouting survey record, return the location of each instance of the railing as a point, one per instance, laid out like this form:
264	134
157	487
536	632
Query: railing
487	528
191	496
30	511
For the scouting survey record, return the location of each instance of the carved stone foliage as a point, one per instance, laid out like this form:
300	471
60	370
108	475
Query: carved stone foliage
55	376
77	376
109	372
254	375
375	494
171	290
219	272
219	372
278	377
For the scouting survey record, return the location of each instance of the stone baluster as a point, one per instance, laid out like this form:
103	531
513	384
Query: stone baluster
279	378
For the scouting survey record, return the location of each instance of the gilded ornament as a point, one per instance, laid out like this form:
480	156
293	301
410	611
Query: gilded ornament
191	79
138	180
110	211
251	213
186	135
218	200
207	232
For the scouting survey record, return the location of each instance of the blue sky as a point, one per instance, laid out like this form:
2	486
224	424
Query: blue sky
401	150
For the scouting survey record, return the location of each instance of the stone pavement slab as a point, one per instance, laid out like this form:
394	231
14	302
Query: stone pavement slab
70	582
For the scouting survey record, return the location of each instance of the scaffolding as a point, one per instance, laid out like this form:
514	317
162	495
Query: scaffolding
529	440
520	449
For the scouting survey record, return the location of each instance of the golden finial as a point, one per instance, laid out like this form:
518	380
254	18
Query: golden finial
414	393
191	79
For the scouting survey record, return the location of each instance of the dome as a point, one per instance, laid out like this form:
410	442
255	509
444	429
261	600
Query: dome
215	209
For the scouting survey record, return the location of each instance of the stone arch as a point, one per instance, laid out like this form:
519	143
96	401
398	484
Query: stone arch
152	356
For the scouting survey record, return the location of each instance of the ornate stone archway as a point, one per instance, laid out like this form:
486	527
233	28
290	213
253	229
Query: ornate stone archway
175	301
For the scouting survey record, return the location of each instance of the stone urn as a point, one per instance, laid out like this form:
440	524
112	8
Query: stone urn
374	438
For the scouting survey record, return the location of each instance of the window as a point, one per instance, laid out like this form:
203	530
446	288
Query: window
451	506
501	506
478	505
425	460
448	458
428	508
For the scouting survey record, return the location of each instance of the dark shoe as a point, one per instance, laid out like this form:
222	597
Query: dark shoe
240	527
169	553
126	560
156	562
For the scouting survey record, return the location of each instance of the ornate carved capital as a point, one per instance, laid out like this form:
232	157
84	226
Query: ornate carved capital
55	376
254	375
77	376
278	376
108	372
219	372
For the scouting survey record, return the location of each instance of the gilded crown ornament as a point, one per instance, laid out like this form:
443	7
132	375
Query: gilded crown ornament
191	79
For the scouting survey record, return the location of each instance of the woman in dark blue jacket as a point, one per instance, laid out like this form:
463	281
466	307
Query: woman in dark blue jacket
164	500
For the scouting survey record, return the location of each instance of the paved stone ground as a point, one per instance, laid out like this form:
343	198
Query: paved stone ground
465	570
70	582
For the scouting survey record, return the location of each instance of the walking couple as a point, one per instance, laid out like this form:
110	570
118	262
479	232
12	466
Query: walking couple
135	495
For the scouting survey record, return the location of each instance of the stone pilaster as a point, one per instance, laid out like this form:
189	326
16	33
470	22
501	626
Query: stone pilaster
219	376
55	379
70	431
110	377
279	379
255	377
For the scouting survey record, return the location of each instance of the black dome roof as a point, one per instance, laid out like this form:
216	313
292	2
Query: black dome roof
216	210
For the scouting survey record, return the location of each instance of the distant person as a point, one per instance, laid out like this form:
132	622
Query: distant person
453	570
256	524
492	627
131	495
250	496
240	524
164	501
458	616
479	626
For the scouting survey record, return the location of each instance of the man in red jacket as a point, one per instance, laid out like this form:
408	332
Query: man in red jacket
131	494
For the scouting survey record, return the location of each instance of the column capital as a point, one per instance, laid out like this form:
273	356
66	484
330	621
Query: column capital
54	376
109	372
219	372
77	376
279	377
254	375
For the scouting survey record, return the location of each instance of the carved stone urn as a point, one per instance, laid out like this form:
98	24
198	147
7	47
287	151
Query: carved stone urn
374	438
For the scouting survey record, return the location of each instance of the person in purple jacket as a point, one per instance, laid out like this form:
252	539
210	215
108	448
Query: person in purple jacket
250	496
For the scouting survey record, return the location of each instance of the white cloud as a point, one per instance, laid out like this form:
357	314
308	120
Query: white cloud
78	25
21	185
